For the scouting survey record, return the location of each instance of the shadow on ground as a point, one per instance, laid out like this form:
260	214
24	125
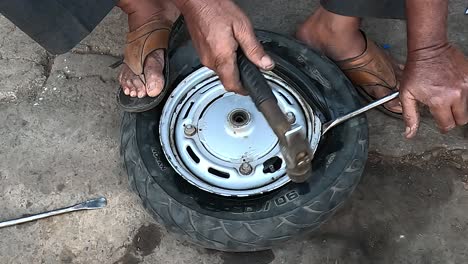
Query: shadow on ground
396	215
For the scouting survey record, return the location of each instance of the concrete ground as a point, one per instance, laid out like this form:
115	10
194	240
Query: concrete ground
59	138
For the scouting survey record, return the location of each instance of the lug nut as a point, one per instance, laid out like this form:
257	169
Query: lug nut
291	117
245	168
190	130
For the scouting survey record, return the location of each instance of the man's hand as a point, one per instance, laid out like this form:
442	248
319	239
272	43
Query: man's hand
437	78
436	73
218	28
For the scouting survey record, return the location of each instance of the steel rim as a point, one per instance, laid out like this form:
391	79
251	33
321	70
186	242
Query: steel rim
219	142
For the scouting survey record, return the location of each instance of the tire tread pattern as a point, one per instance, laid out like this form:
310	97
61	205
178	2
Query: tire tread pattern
230	235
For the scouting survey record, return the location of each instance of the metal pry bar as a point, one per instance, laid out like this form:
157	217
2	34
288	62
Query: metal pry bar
87	205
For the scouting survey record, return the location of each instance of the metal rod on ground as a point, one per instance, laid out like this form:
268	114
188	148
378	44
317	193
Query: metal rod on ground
87	205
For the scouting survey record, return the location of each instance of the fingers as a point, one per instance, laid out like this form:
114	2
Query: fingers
153	70
449	110
223	60
410	114
447	115
460	112
252	48
444	118
228	72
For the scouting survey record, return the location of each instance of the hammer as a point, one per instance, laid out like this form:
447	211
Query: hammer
292	140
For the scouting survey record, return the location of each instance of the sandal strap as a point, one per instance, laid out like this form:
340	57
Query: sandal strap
373	67
147	38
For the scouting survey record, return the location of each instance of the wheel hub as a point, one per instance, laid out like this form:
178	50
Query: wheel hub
239	118
232	130
220	142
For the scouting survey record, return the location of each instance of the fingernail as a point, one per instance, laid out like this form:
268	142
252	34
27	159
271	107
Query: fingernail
447	129
267	63
407	131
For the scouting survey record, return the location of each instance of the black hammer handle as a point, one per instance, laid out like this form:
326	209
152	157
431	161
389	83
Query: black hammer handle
294	145
256	85
253	81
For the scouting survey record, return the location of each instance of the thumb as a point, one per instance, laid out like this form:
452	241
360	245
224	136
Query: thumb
252	48
410	113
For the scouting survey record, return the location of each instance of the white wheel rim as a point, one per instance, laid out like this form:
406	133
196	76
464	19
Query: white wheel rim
218	140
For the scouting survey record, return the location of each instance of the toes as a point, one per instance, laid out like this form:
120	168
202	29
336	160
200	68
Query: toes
133	86
394	106
379	92
155	84
154	66
125	79
140	87
131	83
131	89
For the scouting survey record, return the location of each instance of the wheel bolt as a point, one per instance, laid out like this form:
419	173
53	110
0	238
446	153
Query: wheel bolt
190	130
245	168
291	117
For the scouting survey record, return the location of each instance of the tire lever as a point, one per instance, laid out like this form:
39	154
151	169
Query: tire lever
92	204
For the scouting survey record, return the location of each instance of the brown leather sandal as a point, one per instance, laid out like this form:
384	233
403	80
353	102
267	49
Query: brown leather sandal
372	68
149	37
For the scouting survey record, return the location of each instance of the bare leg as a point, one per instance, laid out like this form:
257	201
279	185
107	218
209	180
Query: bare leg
140	12
339	38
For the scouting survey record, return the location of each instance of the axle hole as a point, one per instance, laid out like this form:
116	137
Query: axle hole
239	118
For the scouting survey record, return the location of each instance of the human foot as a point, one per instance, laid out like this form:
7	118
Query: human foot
340	38
150	79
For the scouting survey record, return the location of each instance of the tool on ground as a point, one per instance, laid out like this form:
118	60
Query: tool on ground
87	205
294	145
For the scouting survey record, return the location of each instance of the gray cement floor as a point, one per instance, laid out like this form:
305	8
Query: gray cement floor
59	145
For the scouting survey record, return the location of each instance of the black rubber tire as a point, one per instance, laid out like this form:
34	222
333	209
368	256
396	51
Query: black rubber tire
260	222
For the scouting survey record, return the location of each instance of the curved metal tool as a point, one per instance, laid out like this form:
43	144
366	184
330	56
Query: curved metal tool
333	123
87	205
